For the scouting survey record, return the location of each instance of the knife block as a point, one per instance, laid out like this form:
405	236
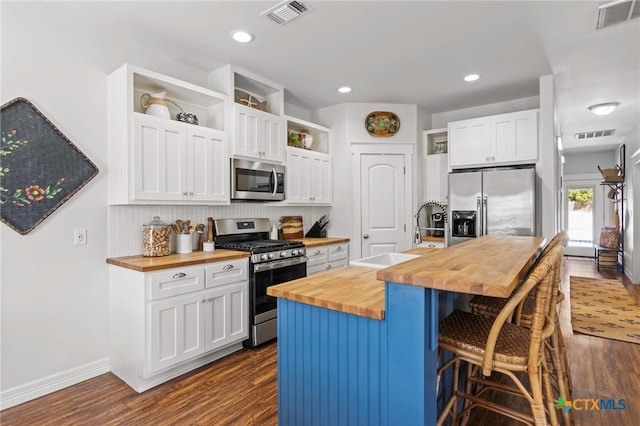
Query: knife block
316	232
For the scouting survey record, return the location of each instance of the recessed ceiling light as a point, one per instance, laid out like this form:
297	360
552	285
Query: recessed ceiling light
604	109
471	77
242	36
344	89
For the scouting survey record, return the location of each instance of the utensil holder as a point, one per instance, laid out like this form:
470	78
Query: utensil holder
184	243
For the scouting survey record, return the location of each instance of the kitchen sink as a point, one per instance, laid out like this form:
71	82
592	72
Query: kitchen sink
383	260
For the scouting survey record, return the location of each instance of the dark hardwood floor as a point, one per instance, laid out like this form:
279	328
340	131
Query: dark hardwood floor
241	388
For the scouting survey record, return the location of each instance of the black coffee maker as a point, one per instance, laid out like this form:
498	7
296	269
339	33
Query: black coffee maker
437	221
463	223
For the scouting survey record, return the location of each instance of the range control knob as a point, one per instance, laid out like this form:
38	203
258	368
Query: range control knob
283	253
294	252
271	255
301	251
263	257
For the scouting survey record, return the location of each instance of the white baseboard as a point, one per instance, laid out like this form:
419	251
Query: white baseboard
52	383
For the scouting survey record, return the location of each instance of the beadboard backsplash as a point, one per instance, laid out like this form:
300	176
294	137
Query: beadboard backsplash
125	222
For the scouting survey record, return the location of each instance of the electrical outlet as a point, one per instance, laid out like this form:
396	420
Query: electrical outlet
80	236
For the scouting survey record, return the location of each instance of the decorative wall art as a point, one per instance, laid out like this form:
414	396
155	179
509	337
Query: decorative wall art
40	168
382	123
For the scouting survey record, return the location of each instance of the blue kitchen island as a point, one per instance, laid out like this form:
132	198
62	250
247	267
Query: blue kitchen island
358	346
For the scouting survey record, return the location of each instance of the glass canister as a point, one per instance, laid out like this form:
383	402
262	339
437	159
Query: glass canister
156	238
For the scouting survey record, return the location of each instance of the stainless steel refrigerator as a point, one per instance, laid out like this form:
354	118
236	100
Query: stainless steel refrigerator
498	201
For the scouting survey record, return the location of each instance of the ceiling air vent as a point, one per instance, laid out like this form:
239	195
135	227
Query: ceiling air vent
286	11
595	134
617	11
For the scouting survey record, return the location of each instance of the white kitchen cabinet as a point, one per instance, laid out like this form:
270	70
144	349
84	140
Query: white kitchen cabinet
257	134
226	315
176	329
326	258
317	260
155	160
494	140
177	163
435	165
309	177
164	323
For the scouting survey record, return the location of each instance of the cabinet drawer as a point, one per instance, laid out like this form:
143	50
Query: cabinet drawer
174	282
227	272
337	252
316	256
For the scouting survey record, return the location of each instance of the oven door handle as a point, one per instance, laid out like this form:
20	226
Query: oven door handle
277	264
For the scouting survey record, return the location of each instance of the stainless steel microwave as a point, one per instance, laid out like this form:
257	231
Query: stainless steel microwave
256	181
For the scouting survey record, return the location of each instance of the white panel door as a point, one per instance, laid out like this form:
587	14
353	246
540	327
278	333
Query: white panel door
247	131
273	138
207	165
226	315
382	202
176	330
159	159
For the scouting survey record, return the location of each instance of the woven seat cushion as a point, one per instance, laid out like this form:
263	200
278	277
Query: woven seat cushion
469	332
492	306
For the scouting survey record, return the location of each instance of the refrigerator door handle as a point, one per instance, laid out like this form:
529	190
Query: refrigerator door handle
478	218
484	215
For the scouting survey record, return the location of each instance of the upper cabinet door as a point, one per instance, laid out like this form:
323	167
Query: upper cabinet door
469	142
495	140
272	138
159	153
207	165
247	132
515	136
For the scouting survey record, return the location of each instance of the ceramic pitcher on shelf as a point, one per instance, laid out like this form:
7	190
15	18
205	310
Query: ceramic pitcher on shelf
155	104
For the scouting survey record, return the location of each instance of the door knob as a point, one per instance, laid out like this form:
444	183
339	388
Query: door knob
365	236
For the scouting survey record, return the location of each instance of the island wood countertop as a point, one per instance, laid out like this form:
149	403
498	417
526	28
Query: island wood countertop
489	265
353	289
175	260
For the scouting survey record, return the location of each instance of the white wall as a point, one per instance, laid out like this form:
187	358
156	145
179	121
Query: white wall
54	313
632	193
588	162
441	119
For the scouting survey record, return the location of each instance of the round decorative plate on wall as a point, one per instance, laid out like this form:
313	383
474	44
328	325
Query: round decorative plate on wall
382	123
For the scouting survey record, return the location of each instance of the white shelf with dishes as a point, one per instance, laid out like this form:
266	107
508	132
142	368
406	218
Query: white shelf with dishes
257	107
166	140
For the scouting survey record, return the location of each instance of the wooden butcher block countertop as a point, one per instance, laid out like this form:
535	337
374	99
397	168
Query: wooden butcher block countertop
315	242
489	265
145	264
353	289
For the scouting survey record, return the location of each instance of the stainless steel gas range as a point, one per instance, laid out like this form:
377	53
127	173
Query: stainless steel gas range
272	262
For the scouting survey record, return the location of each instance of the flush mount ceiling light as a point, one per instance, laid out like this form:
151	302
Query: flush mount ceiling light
471	77
242	36
604	109
344	89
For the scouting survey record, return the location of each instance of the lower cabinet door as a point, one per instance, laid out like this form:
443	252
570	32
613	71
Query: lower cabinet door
176	331
226	315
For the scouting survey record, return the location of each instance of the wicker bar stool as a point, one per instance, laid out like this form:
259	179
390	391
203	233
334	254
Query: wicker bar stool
491	307
490	345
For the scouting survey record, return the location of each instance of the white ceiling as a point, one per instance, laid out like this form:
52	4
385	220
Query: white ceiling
412	52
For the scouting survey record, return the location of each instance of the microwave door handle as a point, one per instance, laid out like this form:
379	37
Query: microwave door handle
275	180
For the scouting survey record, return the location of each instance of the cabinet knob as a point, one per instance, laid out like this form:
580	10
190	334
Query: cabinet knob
203	300
179	275
328	266
318	252
340	247
365	236
227	267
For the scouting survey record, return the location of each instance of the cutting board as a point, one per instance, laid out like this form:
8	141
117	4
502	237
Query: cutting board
292	227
